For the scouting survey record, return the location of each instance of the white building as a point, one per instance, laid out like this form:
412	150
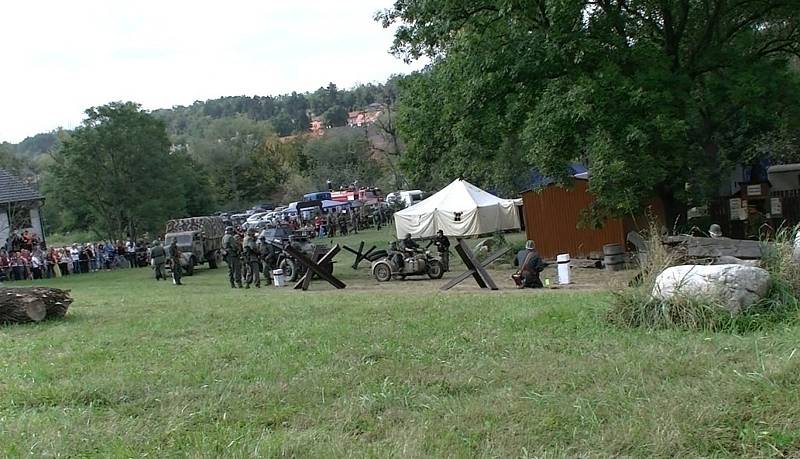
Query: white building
19	207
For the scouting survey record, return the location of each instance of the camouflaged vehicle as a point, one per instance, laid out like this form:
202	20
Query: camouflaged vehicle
199	240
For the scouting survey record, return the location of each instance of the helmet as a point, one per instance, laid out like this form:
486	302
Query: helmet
408	235
715	230
529	245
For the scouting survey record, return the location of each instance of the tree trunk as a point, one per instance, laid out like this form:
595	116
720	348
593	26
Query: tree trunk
32	304
674	211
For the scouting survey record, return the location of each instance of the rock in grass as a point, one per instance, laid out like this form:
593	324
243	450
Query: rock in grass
796	252
736	287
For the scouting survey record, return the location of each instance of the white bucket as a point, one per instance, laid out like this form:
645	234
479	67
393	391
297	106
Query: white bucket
278	279
563	268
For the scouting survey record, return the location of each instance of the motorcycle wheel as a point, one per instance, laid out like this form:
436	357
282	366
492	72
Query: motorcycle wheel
382	272
289	269
435	269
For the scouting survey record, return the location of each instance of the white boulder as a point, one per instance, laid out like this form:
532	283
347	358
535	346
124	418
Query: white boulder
736	287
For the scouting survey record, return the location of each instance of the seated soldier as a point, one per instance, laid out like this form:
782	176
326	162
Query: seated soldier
409	245
530	265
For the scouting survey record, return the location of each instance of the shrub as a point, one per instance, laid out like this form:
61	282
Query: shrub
634	306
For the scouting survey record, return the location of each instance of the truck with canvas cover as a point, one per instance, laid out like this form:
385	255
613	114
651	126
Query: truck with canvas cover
199	239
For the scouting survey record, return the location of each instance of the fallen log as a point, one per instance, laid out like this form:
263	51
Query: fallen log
32	304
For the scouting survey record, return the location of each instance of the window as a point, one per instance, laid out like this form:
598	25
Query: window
457	216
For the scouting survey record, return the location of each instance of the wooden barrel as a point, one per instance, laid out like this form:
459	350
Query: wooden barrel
614	257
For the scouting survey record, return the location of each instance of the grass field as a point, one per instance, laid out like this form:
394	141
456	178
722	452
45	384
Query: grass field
141	368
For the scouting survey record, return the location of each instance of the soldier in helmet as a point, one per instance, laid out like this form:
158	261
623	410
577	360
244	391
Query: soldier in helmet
231	251
252	259
158	258
175	260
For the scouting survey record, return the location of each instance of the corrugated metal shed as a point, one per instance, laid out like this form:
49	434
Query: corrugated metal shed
13	190
551	221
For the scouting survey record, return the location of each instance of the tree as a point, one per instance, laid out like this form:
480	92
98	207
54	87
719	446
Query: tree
234	152
659	98
342	156
336	116
116	169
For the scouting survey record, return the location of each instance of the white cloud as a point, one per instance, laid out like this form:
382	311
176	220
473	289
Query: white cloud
63	57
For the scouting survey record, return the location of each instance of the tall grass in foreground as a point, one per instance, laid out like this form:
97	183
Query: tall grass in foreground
634	306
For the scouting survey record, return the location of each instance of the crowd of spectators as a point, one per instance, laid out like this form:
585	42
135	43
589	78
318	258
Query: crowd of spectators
24	257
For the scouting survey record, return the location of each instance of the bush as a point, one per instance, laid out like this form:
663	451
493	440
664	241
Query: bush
634	306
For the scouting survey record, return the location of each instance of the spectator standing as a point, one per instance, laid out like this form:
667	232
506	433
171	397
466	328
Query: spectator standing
130	250
64	261
83	260
110	255
75	258
17	266
5	265
52	263
37	263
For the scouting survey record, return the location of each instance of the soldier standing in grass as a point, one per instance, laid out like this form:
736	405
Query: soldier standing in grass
158	258
175	259
443	248
252	259
230	250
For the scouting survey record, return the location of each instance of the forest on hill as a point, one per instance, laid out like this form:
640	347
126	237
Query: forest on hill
221	154
658	99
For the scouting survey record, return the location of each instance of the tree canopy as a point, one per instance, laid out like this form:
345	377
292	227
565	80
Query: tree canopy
116	173
658	98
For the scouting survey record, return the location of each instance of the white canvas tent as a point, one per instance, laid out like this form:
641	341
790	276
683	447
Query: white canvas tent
459	209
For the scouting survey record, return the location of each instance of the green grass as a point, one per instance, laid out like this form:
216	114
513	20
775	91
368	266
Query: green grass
141	368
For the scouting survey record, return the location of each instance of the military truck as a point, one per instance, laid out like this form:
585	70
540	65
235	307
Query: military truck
199	240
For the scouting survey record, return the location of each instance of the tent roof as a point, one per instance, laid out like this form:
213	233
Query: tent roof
459	196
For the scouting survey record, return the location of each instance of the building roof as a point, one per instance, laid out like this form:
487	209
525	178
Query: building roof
13	190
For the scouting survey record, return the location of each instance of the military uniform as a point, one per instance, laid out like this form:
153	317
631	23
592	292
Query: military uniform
530	265
158	258
443	248
231	250
252	260
175	258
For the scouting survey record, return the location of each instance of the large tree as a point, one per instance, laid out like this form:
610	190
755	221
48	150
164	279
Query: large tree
235	153
116	169
343	156
659	97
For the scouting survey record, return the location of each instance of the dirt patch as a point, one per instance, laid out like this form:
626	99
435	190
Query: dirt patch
582	279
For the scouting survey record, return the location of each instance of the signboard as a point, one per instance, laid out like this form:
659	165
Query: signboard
775	207
753	190
735	205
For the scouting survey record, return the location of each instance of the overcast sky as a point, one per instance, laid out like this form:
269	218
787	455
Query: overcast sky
61	57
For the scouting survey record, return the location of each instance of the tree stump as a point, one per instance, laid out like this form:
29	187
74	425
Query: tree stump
32	304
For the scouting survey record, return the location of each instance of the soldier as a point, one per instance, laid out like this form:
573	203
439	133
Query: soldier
266	256
354	219
175	258
158	258
342	221
252	259
443	247
230	250
530	265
